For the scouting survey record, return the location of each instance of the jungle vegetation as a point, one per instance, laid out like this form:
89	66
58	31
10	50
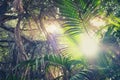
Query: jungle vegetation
54	39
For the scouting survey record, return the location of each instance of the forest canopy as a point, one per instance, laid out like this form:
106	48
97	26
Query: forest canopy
59	39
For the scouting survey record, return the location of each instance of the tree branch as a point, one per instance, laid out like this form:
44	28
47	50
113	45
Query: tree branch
11	29
5	18
7	28
3	46
6	40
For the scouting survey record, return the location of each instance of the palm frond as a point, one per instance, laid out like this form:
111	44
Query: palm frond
77	13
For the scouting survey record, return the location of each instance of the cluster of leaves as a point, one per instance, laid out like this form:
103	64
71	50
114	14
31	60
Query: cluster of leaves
110	58
41	65
77	13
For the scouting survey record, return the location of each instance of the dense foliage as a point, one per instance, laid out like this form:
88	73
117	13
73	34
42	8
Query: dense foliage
29	51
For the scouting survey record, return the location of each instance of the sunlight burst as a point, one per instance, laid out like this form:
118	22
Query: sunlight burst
89	46
97	22
53	27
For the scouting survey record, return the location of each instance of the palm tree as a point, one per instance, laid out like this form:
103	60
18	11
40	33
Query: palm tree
77	14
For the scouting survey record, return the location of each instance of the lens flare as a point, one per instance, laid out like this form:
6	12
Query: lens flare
89	46
97	22
53	28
